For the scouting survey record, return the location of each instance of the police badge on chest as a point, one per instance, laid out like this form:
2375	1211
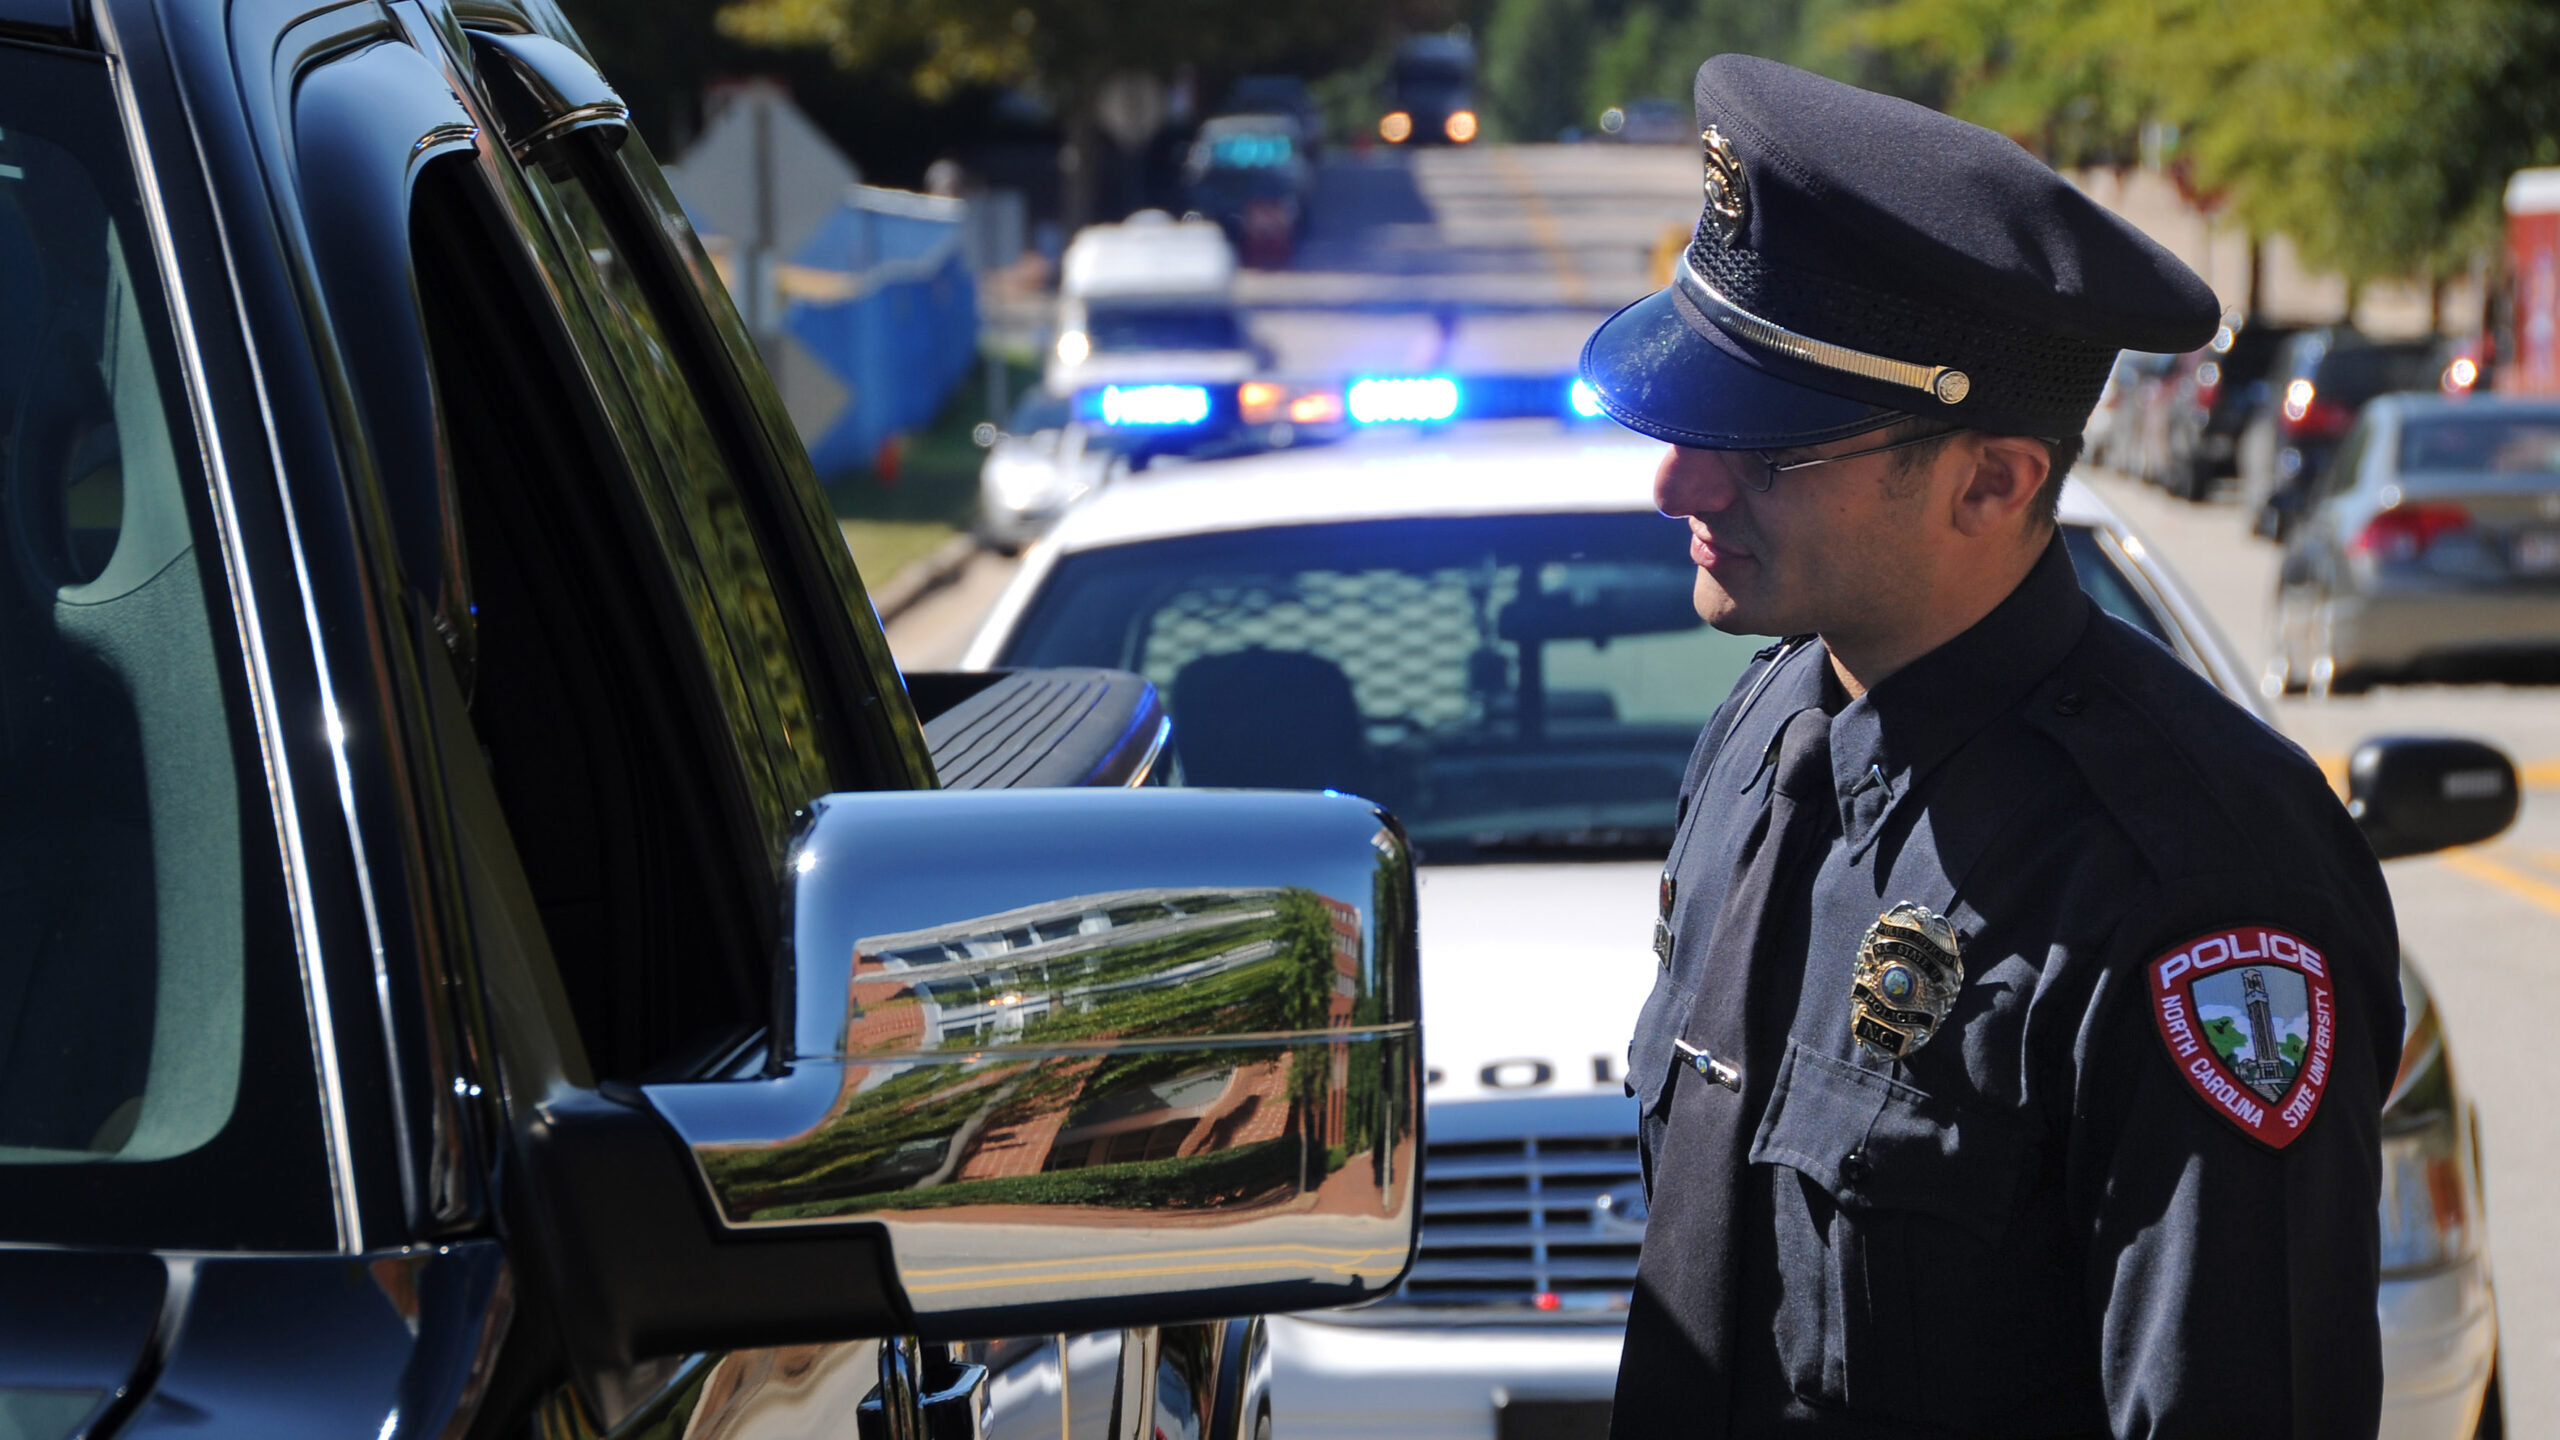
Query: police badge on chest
1907	978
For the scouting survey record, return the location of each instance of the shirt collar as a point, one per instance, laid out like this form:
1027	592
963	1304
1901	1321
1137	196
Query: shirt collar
1884	744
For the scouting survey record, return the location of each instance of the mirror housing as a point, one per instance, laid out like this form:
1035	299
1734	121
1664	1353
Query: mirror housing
2413	794
1045	1060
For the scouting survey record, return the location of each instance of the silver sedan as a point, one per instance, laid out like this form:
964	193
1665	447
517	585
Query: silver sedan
2430	550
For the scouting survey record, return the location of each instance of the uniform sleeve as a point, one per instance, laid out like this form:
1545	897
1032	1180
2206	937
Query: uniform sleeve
2231	1272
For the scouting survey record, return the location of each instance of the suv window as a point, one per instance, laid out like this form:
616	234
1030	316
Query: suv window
692	488
609	721
156	1072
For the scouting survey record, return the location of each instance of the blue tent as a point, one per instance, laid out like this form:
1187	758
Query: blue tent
882	297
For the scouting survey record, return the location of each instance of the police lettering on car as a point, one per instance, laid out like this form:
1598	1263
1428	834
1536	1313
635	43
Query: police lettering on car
2025	1010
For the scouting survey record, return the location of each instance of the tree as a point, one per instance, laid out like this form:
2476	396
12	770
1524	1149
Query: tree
2376	134
1066	49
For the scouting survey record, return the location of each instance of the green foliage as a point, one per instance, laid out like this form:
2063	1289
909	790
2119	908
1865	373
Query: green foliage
2377	134
2292	1051
1530	69
2224	1036
1064	46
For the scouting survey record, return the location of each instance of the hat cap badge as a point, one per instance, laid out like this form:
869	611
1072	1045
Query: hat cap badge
1728	190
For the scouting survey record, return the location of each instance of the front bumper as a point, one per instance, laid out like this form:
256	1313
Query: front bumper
1367	1381
2439	1340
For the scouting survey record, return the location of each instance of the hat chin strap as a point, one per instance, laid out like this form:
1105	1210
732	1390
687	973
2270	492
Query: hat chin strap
1948	385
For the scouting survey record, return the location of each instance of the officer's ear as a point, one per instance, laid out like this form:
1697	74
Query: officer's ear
1998	494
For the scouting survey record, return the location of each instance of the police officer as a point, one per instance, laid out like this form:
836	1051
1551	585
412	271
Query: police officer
2026	1007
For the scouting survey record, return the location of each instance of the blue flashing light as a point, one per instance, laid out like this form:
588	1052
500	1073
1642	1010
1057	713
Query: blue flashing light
1154	404
1421	399
1584	399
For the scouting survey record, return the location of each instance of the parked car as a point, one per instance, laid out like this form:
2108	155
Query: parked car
493	947
2318	381
1491	630
2211	400
2430	550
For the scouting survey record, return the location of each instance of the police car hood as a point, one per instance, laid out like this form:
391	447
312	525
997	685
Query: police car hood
1532	976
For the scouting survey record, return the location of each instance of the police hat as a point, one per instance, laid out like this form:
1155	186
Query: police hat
1862	259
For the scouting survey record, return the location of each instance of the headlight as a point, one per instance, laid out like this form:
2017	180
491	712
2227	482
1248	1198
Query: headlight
2430	1172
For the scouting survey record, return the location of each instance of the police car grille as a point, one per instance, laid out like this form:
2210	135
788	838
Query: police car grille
1515	1222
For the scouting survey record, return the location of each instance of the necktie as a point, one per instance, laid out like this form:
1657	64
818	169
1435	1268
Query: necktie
1676	1372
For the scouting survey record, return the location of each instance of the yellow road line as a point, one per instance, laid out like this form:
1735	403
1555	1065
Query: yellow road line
2515	882
1543	230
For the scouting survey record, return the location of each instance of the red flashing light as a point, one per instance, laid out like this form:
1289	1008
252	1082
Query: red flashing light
1547	1300
2400	535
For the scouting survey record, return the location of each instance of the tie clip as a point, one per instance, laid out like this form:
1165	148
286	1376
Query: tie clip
1705	1063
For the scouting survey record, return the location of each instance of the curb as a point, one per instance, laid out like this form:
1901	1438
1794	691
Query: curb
923	577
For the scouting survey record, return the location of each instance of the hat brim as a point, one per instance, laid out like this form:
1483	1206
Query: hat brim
1656	374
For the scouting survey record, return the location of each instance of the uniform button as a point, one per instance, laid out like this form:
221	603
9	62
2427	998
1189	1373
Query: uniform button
1853	1166
2071	703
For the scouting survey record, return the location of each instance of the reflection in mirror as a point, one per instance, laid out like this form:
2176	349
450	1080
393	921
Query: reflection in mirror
1142	1103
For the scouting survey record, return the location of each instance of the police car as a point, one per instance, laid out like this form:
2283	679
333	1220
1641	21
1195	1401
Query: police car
1488	628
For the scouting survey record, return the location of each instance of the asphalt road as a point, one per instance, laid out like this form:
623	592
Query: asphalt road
1503	260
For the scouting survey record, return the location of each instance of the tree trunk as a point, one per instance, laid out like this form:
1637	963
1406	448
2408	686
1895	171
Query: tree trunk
2257	276
2435	305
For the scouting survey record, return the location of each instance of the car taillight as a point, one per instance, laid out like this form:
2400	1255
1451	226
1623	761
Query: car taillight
2403	534
2309	417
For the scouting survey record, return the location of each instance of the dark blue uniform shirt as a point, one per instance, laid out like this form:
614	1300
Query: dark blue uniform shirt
2043	1222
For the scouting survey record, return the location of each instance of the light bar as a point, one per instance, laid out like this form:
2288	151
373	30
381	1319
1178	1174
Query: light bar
1584	400
1418	400
1154	404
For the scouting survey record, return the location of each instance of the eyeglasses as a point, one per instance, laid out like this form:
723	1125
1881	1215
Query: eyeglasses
1770	469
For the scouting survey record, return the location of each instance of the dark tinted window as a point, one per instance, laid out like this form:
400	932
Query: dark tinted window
694	493
156	1071
1127	328
2526	444
1507	685
598	695
2354	374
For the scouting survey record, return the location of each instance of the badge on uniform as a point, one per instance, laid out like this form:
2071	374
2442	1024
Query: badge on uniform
1907	978
2250	1020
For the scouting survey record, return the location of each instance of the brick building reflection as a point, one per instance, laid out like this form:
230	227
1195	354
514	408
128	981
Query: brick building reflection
1106	968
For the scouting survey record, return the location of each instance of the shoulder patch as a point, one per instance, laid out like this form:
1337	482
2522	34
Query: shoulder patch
2250	1020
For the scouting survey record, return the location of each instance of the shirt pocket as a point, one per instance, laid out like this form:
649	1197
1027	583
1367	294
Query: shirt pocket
1888	1207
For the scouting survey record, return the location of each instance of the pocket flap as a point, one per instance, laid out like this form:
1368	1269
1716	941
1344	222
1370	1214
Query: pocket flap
1877	1144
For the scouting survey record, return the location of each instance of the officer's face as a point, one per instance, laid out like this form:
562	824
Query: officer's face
1832	550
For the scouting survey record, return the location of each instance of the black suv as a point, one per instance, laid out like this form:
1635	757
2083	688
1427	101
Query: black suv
489	942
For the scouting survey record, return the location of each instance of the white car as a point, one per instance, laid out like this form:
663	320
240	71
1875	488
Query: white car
1489	629
1148	300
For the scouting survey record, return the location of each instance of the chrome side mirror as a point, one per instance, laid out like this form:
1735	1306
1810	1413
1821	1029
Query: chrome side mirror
1089	1058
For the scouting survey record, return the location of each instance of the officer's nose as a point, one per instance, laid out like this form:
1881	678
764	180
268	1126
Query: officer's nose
1693	482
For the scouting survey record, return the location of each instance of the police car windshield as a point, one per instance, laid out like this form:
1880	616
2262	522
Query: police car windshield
1125	328
1513	687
